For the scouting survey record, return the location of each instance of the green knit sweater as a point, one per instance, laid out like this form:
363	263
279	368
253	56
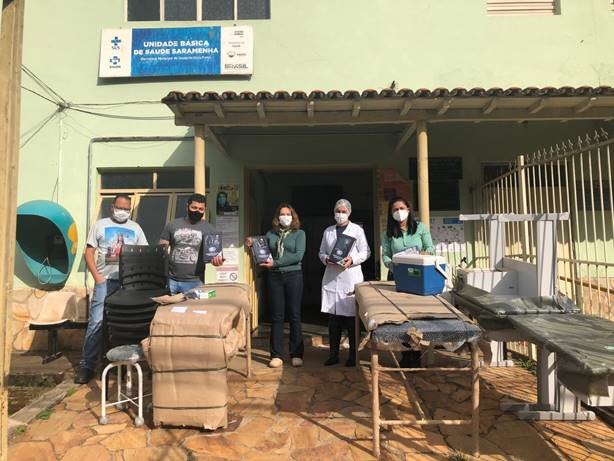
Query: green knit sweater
294	250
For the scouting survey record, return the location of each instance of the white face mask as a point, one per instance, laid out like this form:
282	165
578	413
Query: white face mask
120	215
285	220
341	218
400	215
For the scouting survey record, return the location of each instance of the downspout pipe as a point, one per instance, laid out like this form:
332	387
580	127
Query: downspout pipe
90	174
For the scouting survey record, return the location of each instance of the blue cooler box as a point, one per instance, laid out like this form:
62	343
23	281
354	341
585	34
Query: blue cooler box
419	274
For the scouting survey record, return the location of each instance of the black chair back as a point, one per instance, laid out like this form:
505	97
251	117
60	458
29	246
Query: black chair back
143	267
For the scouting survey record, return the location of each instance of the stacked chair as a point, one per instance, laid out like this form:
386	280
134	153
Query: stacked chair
128	315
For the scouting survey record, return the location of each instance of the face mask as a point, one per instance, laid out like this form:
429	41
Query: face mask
340	218
195	216
221	201
120	215
285	220
400	215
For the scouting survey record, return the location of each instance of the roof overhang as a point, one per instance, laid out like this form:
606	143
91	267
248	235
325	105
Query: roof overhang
351	107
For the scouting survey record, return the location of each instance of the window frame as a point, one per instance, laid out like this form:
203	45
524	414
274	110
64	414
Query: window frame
199	12
556	8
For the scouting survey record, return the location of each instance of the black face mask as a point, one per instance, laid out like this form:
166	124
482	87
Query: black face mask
195	216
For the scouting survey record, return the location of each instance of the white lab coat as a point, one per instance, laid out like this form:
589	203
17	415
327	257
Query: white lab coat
338	282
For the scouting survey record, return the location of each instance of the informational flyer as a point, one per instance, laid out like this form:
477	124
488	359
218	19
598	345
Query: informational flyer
448	234
228	226
227	273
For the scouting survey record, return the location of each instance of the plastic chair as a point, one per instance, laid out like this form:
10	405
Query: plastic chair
129	311
127	315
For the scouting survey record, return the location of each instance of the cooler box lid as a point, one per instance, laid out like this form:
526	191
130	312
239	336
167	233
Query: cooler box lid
417	260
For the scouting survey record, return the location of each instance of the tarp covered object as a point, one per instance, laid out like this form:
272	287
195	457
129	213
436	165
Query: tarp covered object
584	346
189	348
400	320
493	311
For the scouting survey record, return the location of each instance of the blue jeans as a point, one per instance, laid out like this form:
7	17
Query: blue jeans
93	335
285	297
177	286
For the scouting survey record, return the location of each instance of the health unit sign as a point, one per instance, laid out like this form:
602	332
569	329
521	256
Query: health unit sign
176	51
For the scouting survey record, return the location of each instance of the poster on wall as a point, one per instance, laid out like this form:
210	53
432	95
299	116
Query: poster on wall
228	226
227	274
448	234
229	271
227	200
155	52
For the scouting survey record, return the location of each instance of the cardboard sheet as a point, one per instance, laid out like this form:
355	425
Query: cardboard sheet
379	303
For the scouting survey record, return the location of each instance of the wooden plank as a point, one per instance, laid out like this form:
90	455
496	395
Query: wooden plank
11	36
369	117
405	136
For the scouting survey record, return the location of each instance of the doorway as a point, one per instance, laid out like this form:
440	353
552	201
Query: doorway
313	194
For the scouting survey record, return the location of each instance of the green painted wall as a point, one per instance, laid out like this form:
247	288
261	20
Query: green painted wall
351	44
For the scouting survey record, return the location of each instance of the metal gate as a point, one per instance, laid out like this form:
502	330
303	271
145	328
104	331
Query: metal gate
574	176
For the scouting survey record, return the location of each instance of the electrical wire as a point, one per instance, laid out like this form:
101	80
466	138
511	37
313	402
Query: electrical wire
122	117
38	128
50	91
39	95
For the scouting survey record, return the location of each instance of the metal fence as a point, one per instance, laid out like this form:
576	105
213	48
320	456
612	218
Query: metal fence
574	176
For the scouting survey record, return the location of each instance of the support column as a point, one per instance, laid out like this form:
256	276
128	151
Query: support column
423	173
199	160
11	33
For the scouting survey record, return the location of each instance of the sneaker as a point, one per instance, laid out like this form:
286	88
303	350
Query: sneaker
331	361
276	363
297	362
83	375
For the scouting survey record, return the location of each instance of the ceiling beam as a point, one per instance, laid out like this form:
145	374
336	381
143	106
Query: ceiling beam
405	136
406	107
445	105
221	145
389	116
492	105
356	109
537	106
260	110
217	107
586	105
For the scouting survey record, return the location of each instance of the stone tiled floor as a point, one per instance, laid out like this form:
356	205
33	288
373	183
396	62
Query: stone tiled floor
317	413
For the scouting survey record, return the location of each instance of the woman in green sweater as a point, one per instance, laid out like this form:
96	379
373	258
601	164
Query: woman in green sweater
404	232
286	242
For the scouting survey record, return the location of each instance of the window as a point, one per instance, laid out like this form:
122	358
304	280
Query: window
157	195
515	7
444	176
197	10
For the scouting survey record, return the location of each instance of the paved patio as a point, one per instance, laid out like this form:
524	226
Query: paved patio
316	413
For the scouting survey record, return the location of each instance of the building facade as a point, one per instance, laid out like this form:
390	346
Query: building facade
332	106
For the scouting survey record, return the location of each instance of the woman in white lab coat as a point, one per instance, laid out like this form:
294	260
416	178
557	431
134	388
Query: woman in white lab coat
339	279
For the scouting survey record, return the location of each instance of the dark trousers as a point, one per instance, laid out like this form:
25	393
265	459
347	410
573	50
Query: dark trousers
336	325
285	297
409	359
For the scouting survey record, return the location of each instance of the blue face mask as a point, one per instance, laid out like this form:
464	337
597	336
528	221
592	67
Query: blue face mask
221	200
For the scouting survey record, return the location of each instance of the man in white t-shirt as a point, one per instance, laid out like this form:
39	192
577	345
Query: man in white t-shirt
104	244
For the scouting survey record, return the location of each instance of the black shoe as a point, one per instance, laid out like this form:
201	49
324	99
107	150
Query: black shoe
83	375
350	362
334	360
